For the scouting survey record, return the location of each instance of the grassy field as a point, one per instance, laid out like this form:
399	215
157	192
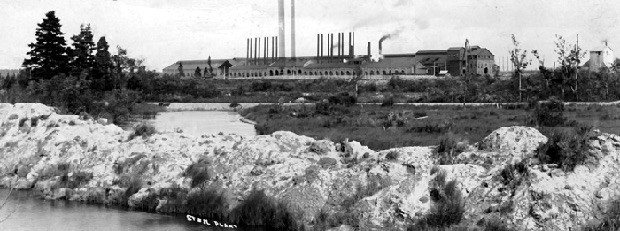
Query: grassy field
397	126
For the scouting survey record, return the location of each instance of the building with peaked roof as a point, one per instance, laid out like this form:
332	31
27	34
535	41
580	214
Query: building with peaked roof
480	61
600	57
220	67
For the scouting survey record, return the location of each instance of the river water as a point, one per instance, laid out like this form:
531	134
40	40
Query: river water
203	122
32	213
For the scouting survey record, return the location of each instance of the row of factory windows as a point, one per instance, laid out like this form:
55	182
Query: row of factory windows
299	72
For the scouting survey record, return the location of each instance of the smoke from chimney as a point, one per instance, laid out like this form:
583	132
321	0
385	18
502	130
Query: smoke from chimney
386	37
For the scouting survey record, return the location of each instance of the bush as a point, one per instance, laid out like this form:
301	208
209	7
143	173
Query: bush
388	102
447	208
568	149
343	99
449	148
144	130
208	203
549	113
198	172
392	155
259	210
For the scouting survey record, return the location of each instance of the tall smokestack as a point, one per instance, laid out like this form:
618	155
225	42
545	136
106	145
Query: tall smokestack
265	49
318	45
321	45
255	48
339	41
369	50
251	50
293	28
247	49
273	47
282	44
342	44
331	49
350	39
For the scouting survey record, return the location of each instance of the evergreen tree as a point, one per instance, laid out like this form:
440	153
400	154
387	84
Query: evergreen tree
103	66
210	67
82	52
48	55
198	72
181	69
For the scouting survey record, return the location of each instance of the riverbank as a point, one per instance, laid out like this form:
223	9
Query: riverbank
293	181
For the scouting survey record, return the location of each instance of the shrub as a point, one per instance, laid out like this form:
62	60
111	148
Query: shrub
419	114
449	148
392	155
208	203
198	172
568	149
234	105
388	102
549	113
260	210
447	208
144	130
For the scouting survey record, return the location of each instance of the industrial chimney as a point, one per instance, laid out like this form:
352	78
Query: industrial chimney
281	45
293	28
369	50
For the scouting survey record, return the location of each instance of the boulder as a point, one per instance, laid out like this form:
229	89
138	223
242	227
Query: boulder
513	140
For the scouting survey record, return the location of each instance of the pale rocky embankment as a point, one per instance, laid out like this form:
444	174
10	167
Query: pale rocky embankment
66	157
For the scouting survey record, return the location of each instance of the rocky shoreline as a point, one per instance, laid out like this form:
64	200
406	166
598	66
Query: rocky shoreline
66	157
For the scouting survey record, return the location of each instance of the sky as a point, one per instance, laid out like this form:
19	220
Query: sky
164	31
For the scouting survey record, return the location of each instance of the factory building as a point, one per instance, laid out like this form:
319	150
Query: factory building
266	57
424	62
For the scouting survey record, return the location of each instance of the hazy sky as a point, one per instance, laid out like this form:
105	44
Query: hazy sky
164	31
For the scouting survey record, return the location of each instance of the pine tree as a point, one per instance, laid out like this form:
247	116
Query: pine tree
210	67
181	69
103	66
198	72
82	52
48	55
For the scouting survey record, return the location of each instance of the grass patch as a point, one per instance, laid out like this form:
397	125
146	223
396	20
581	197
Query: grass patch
450	146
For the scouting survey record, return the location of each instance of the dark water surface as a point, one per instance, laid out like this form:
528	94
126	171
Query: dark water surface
33	213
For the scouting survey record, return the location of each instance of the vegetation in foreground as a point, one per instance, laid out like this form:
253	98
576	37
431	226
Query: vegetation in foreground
451	127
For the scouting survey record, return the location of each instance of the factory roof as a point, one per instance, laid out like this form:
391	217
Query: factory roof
329	65
250	67
392	62
192	64
399	55
289	63
432	61
431	52
480	51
